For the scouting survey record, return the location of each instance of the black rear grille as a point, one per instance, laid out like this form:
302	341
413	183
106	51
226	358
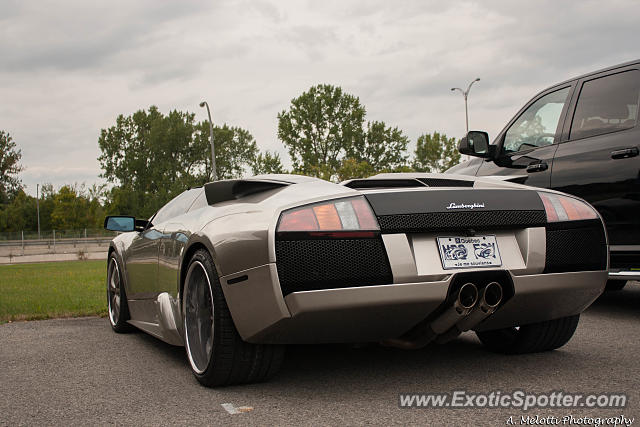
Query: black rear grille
579	246
305	265
442	221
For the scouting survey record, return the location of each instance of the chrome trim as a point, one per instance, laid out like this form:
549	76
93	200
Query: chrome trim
624	248
625	275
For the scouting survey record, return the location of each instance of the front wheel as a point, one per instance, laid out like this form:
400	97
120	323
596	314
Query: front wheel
533	338
217	354
116	297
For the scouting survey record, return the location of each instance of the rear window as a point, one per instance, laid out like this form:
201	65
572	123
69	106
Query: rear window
607	104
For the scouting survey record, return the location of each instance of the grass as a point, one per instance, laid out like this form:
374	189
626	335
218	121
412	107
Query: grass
53	289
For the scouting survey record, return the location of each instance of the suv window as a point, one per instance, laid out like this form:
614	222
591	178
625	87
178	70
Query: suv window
537	126
607	104
177	206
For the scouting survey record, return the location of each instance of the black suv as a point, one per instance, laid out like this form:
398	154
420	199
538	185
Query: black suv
580	137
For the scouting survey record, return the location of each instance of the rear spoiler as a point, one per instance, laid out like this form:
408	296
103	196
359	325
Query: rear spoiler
232	189
388	181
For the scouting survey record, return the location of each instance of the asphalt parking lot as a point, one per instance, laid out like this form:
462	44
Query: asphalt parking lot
77	372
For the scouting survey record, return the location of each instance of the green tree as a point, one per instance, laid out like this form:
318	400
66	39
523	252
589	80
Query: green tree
152	157
435	153
325	133
47	195
20	214
236	151
9	167
352	168
321	126
267	162
75	208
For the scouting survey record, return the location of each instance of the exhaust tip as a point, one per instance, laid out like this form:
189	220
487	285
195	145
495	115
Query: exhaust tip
492	295
468	296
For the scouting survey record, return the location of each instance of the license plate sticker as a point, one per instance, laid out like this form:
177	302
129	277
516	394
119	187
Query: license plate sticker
469	252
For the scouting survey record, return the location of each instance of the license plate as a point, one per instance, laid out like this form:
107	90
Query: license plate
469	252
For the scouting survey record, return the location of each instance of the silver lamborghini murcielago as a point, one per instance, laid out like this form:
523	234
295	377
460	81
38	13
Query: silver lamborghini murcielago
235	269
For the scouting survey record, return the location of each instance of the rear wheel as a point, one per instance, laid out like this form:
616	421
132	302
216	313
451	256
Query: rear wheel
116	297
533	338
615	285
217	354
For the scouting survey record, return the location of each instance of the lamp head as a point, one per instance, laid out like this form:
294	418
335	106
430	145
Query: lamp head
202	104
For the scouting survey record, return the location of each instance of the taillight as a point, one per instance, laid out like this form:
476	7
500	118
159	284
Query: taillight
563	208
351	214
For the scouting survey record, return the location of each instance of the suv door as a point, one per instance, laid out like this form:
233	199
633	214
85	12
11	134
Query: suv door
598	157
527	145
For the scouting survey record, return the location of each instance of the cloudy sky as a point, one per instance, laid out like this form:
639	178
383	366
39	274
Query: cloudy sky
67	69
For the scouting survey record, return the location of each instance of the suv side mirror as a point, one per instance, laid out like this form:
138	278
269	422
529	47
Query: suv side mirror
476	143
120	223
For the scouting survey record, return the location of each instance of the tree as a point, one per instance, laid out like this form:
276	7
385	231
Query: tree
236	150
382	149
325	132
76	208
352	168
152	157
320	127
9	167
435	153
267	162
20	213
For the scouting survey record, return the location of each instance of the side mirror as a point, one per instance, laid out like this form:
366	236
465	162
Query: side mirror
120	223
476	143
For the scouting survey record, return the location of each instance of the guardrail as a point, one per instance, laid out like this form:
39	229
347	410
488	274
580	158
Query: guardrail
53	242
56	234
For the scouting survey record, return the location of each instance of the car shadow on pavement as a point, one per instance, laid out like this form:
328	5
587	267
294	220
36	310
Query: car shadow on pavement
173	352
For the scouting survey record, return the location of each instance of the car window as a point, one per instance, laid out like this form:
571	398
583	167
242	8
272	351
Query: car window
200	202
537	126
607	104
177	206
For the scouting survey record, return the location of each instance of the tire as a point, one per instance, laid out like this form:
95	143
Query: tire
533	338
117	307
615	285
217	354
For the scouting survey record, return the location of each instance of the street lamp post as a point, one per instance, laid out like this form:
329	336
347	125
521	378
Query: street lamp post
38	208
465	93
213	151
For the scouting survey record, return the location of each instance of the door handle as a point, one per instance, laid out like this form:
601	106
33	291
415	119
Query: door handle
537	167
625	153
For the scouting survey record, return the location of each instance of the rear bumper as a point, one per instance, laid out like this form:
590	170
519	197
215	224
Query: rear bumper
374	313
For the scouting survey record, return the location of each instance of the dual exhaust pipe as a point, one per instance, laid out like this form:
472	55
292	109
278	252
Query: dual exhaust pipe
469	308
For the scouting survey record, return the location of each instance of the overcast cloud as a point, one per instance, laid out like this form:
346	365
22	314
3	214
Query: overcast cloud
67	69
